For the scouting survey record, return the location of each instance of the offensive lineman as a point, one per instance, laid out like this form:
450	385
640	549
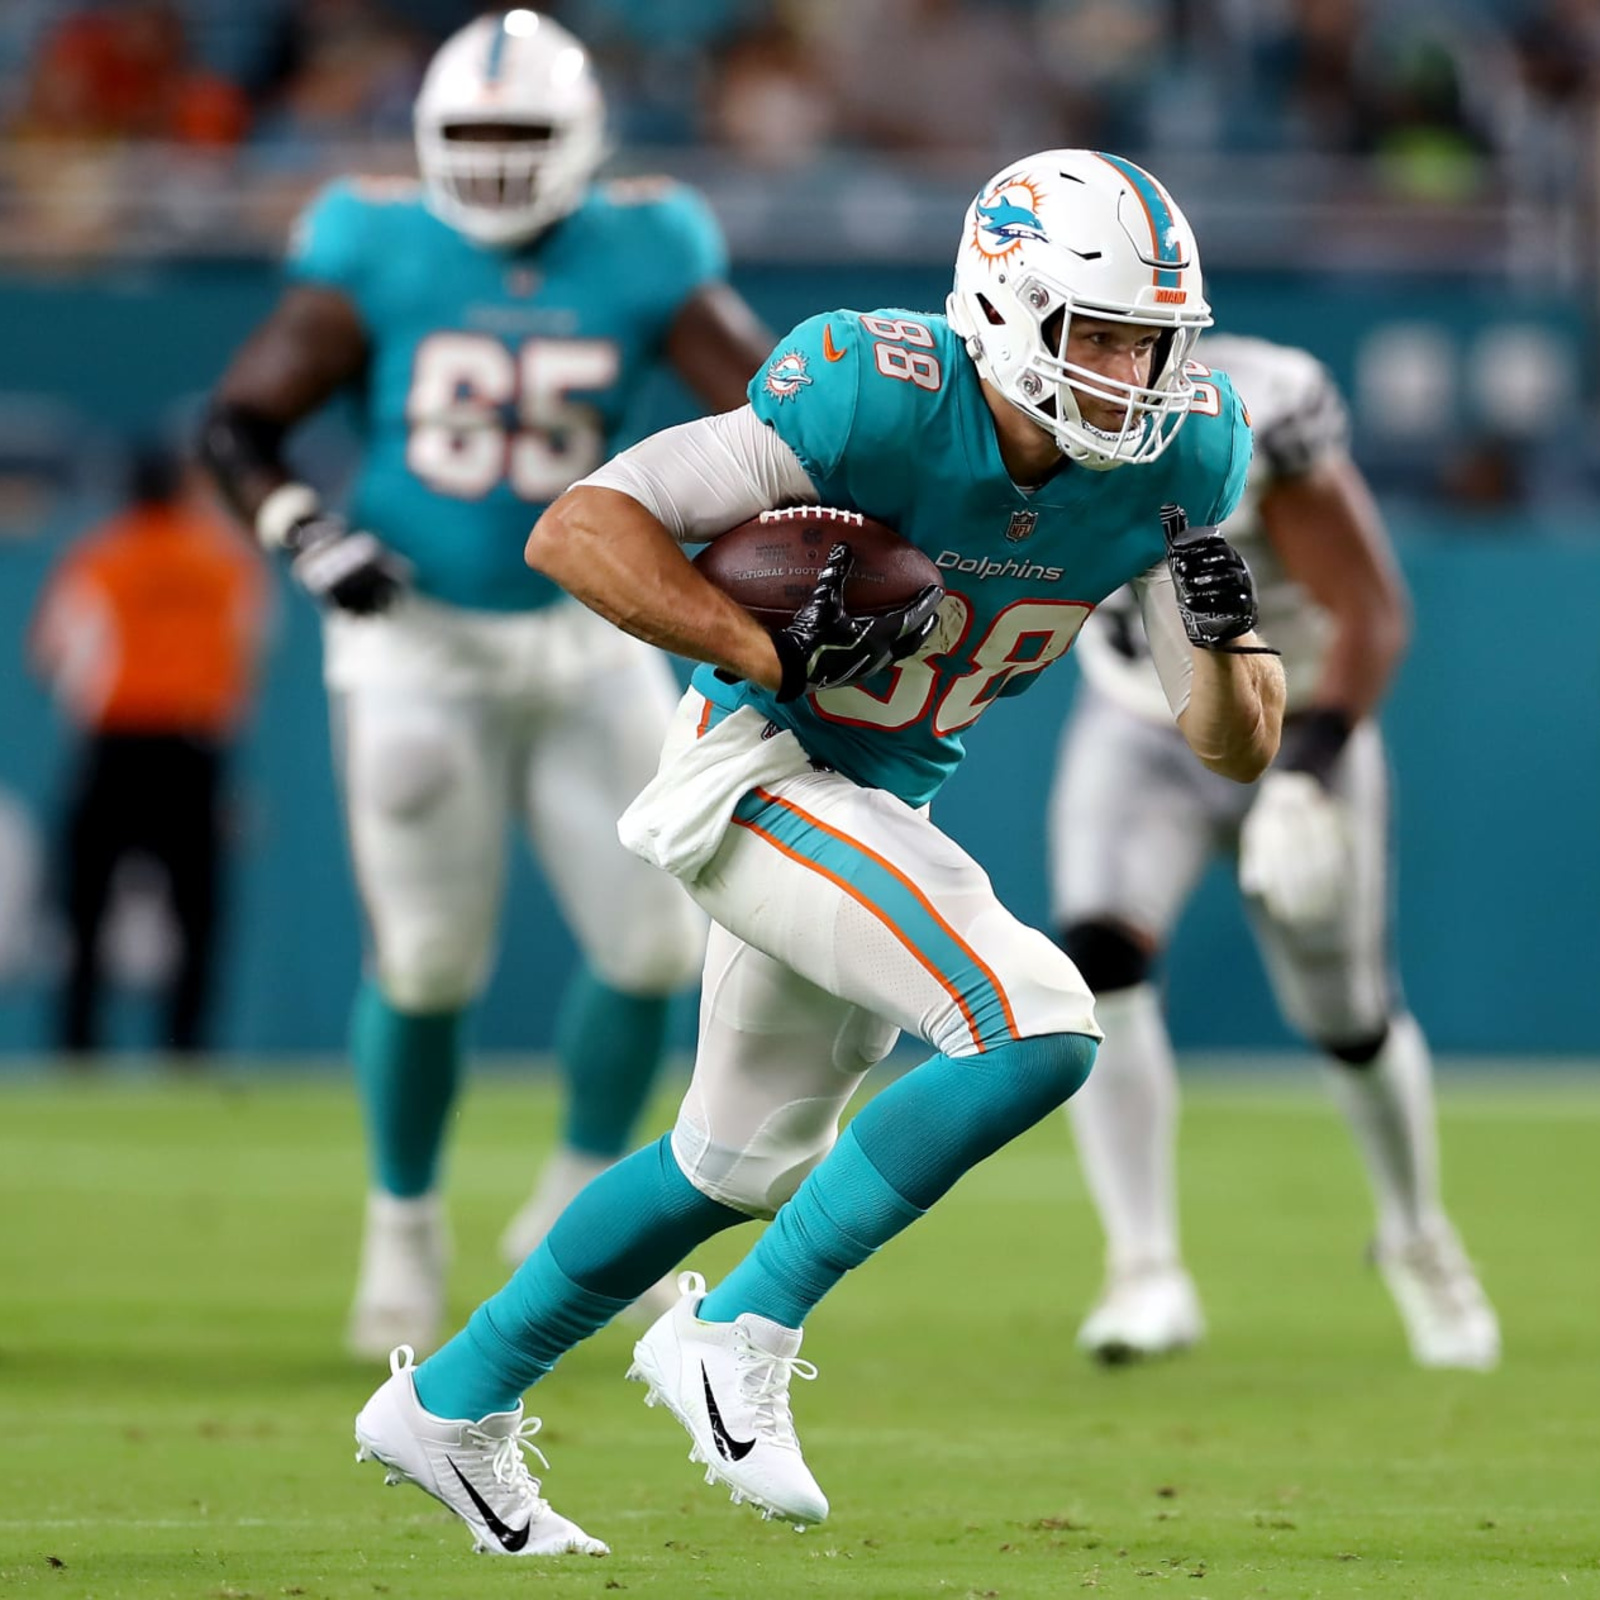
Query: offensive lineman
1134	822
1037	445
491	326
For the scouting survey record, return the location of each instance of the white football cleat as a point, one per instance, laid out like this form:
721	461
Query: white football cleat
1447	1317
477	1469
399	1299
563	1176
728	1384
1143	1312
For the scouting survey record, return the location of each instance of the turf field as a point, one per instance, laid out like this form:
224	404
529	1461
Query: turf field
174	1261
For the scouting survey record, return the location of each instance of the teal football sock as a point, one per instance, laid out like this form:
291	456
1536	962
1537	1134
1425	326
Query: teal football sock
407	1069
609	1044
907	1147
633	1223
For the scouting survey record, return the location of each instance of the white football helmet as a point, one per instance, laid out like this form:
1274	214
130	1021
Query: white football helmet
1068	232
516	70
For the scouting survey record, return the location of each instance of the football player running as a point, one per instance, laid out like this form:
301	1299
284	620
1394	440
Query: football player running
1042	444
491	326
1134	822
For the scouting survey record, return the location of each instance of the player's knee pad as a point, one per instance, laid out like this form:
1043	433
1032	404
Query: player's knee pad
760	1175
431	970
1106	954
1357	1052
659	950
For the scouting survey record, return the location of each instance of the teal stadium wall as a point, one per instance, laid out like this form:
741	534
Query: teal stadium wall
1494	726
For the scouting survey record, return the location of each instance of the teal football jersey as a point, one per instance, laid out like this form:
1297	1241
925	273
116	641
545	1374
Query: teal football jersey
888	418
497	377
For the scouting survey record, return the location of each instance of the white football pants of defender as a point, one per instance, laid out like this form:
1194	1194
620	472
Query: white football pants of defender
447	724
841	917
1134	821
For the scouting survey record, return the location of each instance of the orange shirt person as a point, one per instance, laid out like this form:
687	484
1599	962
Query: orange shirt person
148	631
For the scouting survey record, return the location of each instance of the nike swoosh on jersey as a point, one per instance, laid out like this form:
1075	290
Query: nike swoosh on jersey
729	1448
830	350
511	1539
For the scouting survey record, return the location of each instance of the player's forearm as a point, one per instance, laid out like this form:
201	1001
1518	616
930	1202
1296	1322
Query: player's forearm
1234	718
607	551
1361	658
241	448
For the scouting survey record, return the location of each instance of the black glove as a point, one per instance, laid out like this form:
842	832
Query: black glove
824	646
1216	595
353	571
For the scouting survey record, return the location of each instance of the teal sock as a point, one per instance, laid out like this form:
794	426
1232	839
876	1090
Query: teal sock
907	1147
633	1223
609	1044
407	1069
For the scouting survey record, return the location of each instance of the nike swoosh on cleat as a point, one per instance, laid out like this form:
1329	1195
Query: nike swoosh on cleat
511	1539
729	1448
830	350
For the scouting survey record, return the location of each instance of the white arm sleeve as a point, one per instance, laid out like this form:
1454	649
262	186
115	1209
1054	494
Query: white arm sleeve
706	476
1169	643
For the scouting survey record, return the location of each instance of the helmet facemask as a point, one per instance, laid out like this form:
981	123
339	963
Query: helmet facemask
1050	386
500	189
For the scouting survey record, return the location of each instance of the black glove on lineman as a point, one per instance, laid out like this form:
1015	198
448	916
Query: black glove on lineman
1216	595
824	646
353	571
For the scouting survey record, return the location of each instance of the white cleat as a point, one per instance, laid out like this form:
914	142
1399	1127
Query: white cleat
1143	1312
565	1174
1448	1319
399	1299
728	1384
477	1469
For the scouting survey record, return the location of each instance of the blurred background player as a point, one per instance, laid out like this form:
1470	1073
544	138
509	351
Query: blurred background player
148	631
1134	821
492	327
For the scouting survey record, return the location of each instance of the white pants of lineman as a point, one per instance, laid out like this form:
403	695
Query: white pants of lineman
841	916
447	725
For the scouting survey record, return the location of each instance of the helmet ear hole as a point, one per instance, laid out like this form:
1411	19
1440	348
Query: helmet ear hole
989	311
1053	330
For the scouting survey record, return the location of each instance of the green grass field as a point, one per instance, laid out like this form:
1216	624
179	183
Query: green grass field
175	1257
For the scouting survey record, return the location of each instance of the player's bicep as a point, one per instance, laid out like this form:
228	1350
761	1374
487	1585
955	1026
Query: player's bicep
1164	630
1328	532
311	345
716	344
704	477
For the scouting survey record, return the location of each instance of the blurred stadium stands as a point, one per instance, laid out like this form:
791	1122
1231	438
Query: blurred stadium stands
1407	186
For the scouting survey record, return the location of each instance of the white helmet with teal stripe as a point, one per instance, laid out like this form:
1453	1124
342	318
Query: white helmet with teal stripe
1075	232
509	126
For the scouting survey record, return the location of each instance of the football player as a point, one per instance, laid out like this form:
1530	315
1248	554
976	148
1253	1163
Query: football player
1134	821
1044	443
491	327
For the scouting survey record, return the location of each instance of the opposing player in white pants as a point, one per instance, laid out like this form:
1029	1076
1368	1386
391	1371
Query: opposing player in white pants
1135	820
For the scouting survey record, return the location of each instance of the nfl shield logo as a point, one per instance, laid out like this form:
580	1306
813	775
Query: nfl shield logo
1022	524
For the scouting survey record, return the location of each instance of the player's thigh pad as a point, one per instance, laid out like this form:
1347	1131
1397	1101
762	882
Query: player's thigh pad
589	755
776	1063
868	900
1132	819
1334	981
423	782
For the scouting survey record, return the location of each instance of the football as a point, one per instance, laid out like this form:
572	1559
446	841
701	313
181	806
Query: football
770	563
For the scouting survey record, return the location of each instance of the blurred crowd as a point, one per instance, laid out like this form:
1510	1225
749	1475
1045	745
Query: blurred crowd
1446	97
